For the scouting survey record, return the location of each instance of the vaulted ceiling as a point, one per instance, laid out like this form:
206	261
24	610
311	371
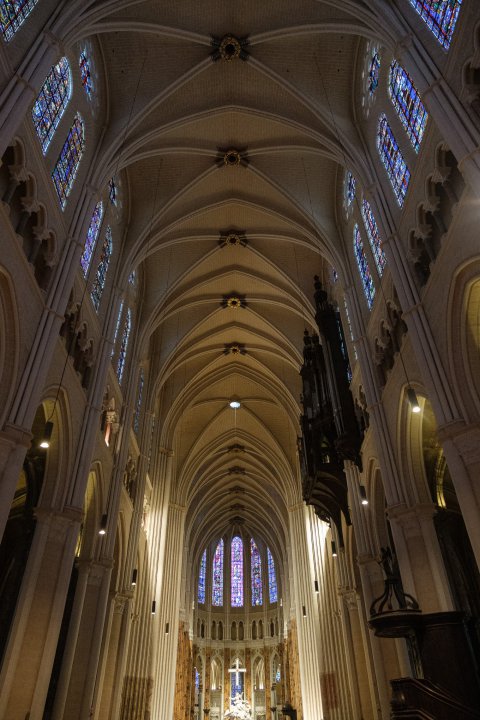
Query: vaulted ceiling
286	104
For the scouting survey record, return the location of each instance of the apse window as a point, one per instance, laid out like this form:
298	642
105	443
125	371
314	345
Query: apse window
440	17
406	101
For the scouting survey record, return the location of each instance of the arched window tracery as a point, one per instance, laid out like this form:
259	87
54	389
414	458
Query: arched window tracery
101	276
13	14
66	167
256	572
272	578
201	578
217	575
363	268
440	17
406	101
236	582
373	237
392	159
52	101
91	239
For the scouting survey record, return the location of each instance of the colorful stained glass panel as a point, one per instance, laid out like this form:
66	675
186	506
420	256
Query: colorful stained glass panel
112	191
407	103
272	578
440	16
237	572
363	268
12	14
374	73
66	167
51	102
217	575
85	73
392	159
373	237
122	353
91	239
201	578
256	570
101	276
349	189
138	408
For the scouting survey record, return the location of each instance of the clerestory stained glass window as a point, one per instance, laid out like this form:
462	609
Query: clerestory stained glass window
122	353
363	269
85	73
407	103
373	73
201	578
91	239
12	14
51	102
112	191
392	159
138	408
197	680
217	575
68	161
373	237
237	572
272	578
349	323
99	282
349	189
256	569
440	16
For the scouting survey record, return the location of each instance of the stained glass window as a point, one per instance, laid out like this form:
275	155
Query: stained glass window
12	14
85	73
201	578
136	418
217	575
440	16
392	159
256	569
122	353
68	161
272	578
373	73
91	239
112	191
277	675
132	278
347	315
364	270
374	237
99	282
349	189
407	103
197	680
117	327
51	102
237	572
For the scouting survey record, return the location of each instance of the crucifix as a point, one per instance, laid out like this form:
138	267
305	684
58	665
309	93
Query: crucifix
237	670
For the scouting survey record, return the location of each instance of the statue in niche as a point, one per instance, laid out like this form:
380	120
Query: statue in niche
130	477
110	420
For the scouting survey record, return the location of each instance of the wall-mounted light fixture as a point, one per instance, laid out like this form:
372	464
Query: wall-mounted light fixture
103	524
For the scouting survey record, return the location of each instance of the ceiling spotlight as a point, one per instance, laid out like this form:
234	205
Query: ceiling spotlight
47	435
235	403
334	549
363	495
103	525
412	399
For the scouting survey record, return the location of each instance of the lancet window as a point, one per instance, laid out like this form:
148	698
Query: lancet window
91	239
363	268
101	276
349	189
67	164
113	191
138	408
217	577
85	73
272	578
236	583
440	16
12	15
374	73
373	237
122	353
407	103
256	570
392	159
52	101
201	578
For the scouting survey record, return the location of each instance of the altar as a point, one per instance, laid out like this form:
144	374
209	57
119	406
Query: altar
239	709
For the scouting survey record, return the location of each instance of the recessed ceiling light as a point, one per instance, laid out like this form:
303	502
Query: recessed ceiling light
234	403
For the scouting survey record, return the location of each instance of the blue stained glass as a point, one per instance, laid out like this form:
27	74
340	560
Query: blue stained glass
117	327
349	323
374	237
136	418
217	575
256	569
237	572
272	578
112	191
51	102
68	161
12	14
407	103
132	278
197	680
373	73
85	73
99	282
91	239
440	16
392	159
364	270
201	579
122	353
277	676
350	184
